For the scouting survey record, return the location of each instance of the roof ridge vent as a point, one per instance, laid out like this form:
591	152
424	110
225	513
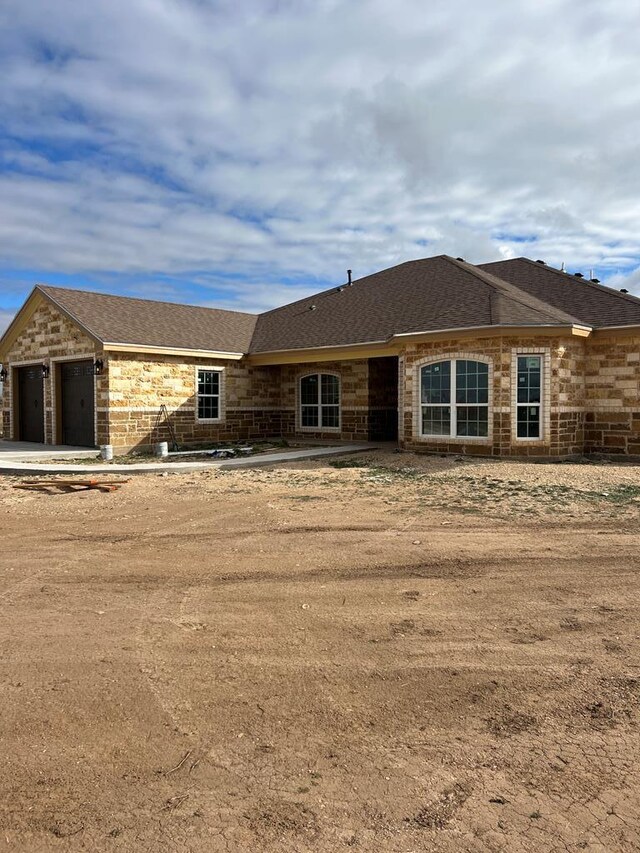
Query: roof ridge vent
595	280
622	289
460	259
578	275
541	262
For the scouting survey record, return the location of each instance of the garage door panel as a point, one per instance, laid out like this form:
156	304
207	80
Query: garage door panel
31	404
77	403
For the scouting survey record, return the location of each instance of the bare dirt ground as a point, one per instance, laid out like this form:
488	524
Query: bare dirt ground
399	653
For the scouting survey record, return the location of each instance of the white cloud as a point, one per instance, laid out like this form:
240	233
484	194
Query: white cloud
295	140
626	281
5	318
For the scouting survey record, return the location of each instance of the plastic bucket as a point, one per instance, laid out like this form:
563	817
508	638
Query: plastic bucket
106	451
161	449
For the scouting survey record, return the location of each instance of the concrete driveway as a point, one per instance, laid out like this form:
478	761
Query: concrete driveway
27	451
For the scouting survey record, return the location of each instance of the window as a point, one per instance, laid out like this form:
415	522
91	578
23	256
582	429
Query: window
455	398
208	394
320	401
529	399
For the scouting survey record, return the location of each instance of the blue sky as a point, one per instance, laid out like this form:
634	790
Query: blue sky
246	154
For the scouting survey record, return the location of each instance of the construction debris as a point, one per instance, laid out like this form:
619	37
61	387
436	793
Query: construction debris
72	485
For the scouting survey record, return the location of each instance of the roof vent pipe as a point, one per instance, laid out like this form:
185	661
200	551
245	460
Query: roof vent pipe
349	277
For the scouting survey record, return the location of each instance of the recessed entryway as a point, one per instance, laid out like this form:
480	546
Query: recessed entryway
77	403
383	398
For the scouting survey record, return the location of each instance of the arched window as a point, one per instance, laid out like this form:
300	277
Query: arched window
320	401
454	397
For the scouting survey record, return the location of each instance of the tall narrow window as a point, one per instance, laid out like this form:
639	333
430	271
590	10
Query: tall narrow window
320	401
208	394
529	399
455	398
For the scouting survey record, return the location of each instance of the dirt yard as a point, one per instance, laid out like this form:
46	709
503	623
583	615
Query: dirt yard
397	653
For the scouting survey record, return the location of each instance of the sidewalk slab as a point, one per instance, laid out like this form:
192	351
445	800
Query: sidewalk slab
8	466
294	456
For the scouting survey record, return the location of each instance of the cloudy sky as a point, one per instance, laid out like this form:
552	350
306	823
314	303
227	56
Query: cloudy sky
244	154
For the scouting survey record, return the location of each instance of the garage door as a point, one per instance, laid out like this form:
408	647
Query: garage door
77	403
31	404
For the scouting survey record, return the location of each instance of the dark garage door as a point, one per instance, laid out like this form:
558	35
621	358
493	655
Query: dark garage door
76	398
31	403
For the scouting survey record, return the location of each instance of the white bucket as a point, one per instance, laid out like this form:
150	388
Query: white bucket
106	451
161	449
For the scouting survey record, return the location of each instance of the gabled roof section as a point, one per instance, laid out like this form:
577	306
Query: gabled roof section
594	304
438	294
426	295
147	323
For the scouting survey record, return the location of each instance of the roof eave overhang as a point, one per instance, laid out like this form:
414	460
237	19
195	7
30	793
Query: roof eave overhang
146	349
394	344
544	329
610	329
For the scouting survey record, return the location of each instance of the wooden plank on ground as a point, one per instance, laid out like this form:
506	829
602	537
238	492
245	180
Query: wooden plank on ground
72	485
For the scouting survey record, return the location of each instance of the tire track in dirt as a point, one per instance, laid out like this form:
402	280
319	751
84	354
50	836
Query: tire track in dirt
440	568
150	663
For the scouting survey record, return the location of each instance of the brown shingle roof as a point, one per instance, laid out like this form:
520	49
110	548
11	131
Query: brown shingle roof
595	304
424	295
143	322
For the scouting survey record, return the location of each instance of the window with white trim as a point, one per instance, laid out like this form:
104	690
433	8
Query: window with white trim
320	401
454	397
529	396
208	397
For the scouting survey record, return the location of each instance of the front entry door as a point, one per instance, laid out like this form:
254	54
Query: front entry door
383	398
31	404
77	403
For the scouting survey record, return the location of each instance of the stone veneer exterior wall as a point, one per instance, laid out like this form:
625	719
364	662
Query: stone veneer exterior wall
612	378
48	338
140	384
591	395
258	401
563	394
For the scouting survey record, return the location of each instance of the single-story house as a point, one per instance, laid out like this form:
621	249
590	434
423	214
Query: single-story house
512	358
